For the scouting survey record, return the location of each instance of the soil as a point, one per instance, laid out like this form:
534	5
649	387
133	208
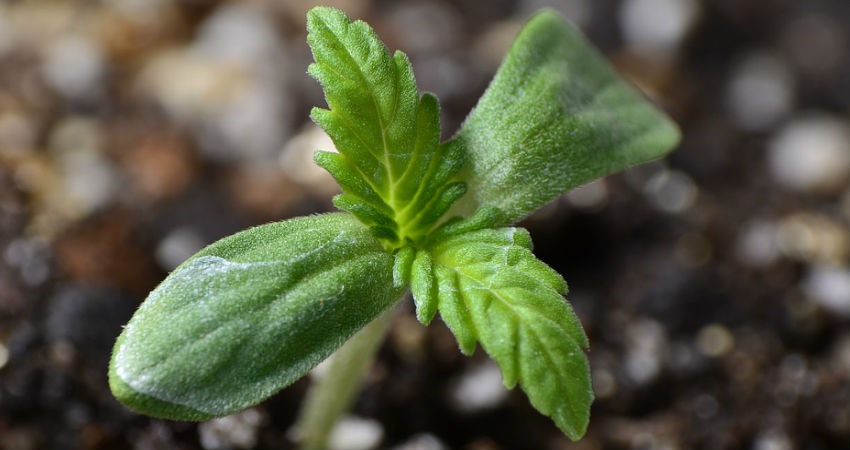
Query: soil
714	285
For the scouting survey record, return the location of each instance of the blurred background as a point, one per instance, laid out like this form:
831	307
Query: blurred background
714	285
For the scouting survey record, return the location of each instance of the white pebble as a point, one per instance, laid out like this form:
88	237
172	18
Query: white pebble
647	343
239	430
811	154
773	440
74	67
829	287
4	355
229	86
423	441
30	257
178	246
355	433
760	91
715	340
671	191
296	159
239	34
89	180
758	243
656	26
814	238
479	389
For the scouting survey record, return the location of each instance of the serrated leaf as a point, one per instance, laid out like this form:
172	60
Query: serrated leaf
249	315
555	116
402	265
423	287
492	289
387	134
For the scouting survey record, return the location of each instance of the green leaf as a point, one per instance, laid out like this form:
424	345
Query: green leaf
402	265
423	287
555	116
492	289
249	315
391	162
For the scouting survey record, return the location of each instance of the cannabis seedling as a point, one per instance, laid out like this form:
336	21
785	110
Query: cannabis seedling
253	312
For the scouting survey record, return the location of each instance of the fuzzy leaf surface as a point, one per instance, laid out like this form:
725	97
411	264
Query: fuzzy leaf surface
491	289
250	314
391	165
555	116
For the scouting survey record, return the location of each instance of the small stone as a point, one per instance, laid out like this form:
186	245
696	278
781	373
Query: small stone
4	355
774	439
296	160
30	257
74	67
178	246
829	287
647	343
715	340
409	338
604	383
814	238
240	34
226	87
760	91
811	155
355	433
89	180
156	436
236	431
423	441
478	389
656	26
671	191
758	243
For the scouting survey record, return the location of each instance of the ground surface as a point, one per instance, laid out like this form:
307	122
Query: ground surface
714	285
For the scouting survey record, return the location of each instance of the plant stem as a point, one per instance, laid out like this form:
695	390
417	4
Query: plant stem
332	395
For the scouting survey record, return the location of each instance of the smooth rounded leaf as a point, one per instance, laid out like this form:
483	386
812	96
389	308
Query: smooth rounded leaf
555	116
249	315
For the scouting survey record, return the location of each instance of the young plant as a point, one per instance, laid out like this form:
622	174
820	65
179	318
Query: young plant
253	312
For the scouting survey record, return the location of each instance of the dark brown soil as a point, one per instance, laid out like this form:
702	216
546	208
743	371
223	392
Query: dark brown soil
710	284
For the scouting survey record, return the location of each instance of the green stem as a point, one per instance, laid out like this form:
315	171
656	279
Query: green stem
332	395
